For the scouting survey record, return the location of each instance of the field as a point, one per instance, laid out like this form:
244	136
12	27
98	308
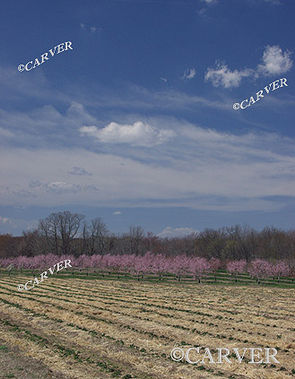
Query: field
98	328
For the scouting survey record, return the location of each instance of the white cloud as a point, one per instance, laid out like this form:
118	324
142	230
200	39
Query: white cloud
223	76
164	79
137	134
201	169
44	126
275	61
189	74
92	29
210	1
198	168
170	232
116	213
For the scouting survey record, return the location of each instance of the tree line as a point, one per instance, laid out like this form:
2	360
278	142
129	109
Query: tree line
65	233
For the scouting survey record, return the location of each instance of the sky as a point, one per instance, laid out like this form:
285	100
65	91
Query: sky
134	120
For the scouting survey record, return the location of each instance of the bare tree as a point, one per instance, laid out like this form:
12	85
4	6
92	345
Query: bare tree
98	233
33	243
48	228
9	246
136	236
60	229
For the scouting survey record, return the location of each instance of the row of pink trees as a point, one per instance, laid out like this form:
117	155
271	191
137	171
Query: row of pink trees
32	263
157	264
259	269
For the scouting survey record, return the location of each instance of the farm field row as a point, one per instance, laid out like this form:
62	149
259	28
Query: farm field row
114	328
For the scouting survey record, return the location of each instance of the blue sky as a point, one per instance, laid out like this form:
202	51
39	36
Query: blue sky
136	123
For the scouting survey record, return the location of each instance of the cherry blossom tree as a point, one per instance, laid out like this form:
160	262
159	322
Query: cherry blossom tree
198	267
260	268
179	265
160	265
280	269
215	264
236	267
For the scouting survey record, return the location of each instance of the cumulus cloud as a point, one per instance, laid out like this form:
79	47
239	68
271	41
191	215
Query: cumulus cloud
170	232
116	213
223	76
275	61
189	74
137	134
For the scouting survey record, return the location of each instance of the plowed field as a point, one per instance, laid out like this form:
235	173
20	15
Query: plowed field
76	328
